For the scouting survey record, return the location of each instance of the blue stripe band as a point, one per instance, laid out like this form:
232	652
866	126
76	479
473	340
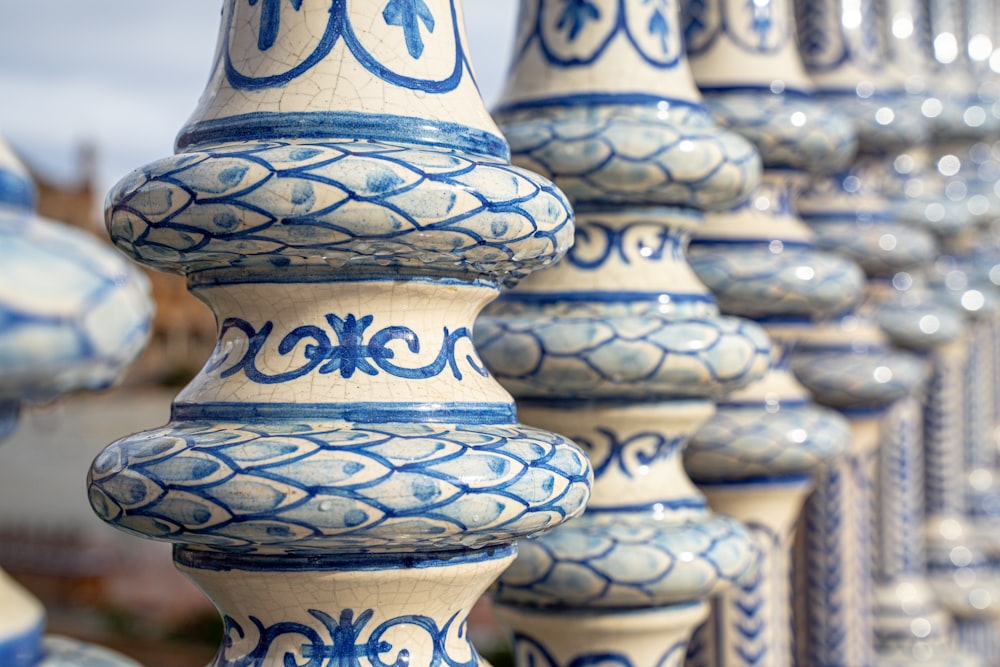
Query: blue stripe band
755	90
319	275
781	403
604	297
766	243
358	413
227	561
659	506
849	215
23	650
270	126
600	99
783	481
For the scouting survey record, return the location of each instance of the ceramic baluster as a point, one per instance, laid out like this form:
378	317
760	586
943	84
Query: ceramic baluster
620	347
343	478
73	315
755	457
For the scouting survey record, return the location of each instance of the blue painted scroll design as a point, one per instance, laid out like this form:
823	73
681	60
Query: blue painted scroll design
344	644
598	242
578	34
301	487
759	27
349	354
408	15
628	455
366	204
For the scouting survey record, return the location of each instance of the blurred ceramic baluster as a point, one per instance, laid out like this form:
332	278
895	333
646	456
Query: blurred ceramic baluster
620	347
73	315
343	478
755	457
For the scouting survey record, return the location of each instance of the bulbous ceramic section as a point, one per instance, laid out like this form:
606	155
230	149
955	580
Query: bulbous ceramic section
73	313
362	205
774	279
16	188
667	153
918	318
766	440
602	562
791	129
562	355
65	652
338	487
848	365
851	217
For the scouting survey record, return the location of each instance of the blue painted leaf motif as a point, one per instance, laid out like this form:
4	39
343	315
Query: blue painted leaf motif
576	14
408	14
270	21
761	21
659	25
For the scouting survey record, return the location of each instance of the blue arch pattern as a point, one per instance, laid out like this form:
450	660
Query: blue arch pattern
759	28
411	16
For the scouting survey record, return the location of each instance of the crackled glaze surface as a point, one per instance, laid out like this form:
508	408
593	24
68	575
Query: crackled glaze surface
344	477
620	346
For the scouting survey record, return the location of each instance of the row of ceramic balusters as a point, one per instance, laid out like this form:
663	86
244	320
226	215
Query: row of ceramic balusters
878	131
334	457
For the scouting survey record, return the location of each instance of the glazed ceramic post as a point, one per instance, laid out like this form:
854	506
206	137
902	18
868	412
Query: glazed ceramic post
755	456
343	478
620	347
848	366
73	315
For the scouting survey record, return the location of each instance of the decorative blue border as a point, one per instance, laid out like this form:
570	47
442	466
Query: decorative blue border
357	413
269	126
228	561
587	100
23	650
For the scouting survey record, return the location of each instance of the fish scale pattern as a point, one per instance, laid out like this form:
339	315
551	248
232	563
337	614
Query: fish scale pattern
756	281
338	488
598	563
747	442
789	130
620	357
635	154
352	204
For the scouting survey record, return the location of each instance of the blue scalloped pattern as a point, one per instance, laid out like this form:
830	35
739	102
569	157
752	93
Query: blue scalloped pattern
881	248
350	488
744	443
556	356
64	652
635	155
342	204
73	313
752	280
788	130
618	562
843	378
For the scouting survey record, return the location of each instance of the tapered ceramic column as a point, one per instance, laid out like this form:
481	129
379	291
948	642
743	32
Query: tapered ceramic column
73	315
620	347
755	457
343	478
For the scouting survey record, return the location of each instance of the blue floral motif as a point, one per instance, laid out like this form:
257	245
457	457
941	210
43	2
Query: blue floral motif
575	16
350	354
270	21
346	646
408	14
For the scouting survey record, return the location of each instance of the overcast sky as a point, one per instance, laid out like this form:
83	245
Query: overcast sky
125	74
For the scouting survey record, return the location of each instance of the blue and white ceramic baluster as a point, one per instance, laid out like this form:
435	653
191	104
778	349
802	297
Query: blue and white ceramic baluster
73	315
755	457
343	478
620	347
